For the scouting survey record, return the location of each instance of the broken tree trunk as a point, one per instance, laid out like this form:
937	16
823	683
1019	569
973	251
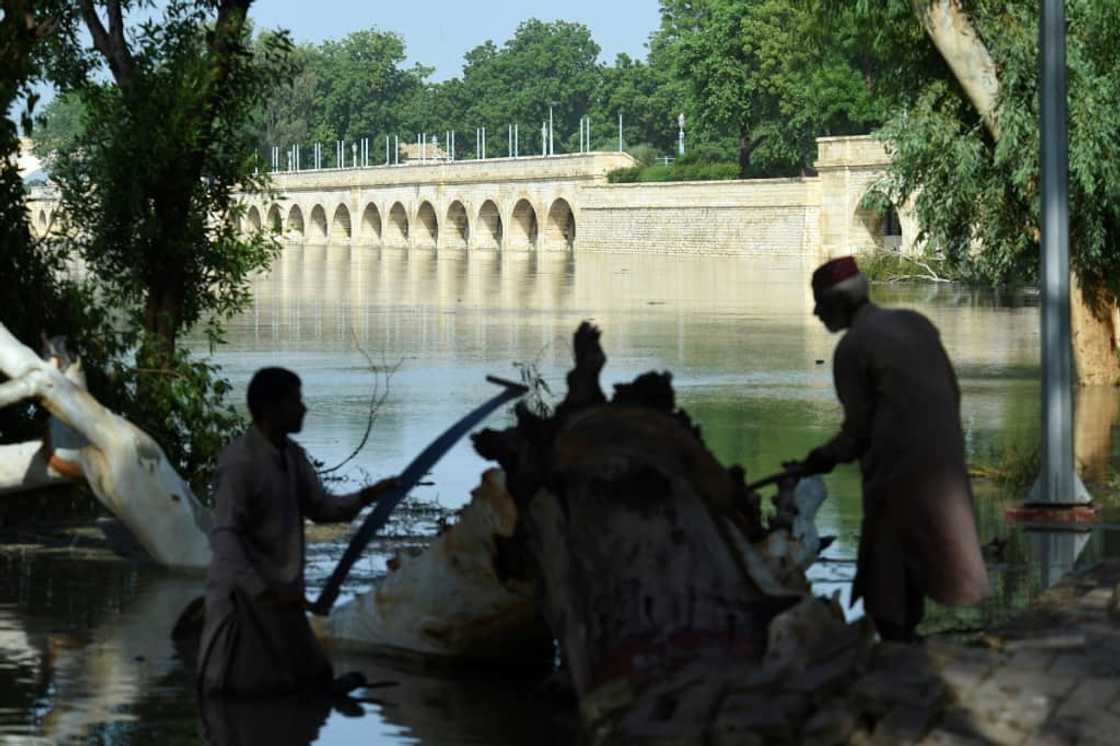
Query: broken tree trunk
126	470
653	559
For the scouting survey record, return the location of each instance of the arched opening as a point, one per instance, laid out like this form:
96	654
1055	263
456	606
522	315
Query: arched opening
891	228
490	226
371	224
254	218
275	221
42	221
398	227
458	237
318	223
524	226
340	224
560	229
428	230
295	221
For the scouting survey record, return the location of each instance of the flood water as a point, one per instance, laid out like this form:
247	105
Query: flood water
84	649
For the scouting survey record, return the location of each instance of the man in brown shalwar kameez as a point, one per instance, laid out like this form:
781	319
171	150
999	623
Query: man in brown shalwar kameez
256	639
902	421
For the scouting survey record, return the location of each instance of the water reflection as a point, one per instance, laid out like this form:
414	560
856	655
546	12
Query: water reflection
1056	552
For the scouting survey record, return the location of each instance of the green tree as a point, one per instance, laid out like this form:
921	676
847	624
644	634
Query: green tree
966	147
149	194
56	304
544	62
646	95
362	89
770	76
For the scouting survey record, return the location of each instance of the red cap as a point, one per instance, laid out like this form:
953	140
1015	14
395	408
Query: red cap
834	271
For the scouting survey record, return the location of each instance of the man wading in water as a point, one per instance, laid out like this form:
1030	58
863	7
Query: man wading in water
256	639
902	421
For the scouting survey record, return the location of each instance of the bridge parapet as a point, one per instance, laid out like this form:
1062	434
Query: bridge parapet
574	167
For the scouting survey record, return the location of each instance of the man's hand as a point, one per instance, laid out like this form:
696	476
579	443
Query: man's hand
373	492
819	461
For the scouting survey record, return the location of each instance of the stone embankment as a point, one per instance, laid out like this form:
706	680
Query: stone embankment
1051	676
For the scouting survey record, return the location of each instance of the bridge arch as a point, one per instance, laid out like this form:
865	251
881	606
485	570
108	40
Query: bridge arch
275	220
295	221
370	230
253	217
525	229
398	227
560	227
458	234
427	226
489	233
318	227
340	224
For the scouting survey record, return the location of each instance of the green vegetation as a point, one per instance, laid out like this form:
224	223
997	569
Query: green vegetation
756	80
680	170
161	134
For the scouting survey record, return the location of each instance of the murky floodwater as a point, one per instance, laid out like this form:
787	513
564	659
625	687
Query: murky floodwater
84	650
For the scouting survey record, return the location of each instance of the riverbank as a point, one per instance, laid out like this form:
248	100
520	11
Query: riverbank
1050	676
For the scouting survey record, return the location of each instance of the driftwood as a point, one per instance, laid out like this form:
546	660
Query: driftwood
680	612
124	467
447	602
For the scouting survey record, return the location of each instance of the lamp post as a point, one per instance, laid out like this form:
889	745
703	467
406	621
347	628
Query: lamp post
680	134
551	138
1057	482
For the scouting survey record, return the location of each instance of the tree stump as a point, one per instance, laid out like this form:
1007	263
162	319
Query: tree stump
655	567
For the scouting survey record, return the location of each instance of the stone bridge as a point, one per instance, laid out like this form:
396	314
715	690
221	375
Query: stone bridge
564	203
501	204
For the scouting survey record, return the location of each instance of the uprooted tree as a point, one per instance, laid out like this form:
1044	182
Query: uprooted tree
674	602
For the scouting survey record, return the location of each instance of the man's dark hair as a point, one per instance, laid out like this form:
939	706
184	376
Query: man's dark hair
268	386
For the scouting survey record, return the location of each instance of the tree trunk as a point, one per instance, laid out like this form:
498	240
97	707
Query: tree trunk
126	470
653	560
746	147
1094	321
951	31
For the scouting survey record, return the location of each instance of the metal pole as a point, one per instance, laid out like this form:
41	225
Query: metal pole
589	133
484	143
452	144
509	152
581	134
544	138
551	139
620	132
1057	483
396	150
516	127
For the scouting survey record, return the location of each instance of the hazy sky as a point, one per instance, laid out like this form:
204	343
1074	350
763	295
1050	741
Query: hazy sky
439	32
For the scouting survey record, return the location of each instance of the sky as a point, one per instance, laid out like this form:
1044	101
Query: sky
439	32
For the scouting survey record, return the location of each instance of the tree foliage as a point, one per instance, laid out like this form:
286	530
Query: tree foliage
147	189
977	199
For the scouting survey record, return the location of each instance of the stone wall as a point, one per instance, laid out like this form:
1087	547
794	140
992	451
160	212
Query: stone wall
766	217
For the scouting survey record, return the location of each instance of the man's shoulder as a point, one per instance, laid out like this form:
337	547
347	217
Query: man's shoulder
237	450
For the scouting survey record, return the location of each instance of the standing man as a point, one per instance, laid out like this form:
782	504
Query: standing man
256	639
902	421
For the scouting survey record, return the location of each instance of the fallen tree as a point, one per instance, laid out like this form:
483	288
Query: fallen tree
680	611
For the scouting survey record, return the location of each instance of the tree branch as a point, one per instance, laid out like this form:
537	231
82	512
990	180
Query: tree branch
111	43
